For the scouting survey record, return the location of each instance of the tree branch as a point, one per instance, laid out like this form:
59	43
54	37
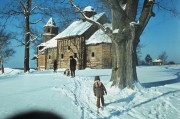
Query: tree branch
146	14
131	5
36	21
105	30
175	12
22	6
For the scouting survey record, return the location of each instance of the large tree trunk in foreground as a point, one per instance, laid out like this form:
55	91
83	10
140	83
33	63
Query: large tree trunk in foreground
124	62
125	41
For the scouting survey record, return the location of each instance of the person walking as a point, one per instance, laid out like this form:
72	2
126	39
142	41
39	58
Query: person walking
72	66
55	65
99	90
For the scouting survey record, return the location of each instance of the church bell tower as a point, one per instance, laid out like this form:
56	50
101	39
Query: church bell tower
50	30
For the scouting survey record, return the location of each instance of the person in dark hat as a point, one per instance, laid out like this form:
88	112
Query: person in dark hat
99	90
72	66
55	65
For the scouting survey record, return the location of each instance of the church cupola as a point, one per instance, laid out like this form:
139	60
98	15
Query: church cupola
50	30
89	11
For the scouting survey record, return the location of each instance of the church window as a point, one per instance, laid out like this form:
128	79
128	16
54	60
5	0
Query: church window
62	56
48	30
69	48
93	54
49	56
75	55
41	47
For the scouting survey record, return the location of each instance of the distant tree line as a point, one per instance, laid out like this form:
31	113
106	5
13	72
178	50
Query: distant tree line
148	60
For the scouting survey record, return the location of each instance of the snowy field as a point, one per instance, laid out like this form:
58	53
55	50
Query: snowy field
73	98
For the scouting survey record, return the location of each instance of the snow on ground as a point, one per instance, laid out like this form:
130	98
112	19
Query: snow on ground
73	98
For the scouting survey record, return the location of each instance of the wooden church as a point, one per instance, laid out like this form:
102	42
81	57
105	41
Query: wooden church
81	39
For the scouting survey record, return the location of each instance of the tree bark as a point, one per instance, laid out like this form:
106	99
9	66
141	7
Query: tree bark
27	36
2	67
124	63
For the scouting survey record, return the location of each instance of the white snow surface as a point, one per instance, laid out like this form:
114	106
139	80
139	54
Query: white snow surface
73	98
98	37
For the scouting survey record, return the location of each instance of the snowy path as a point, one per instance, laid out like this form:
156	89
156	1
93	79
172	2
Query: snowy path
125	103
73	97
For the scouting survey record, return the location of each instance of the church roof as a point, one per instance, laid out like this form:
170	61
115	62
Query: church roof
157	60
99	37
78	27
50	22
49	44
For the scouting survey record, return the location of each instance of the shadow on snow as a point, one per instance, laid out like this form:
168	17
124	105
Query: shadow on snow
162	83
121	112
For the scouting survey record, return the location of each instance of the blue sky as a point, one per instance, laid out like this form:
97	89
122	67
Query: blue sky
161	34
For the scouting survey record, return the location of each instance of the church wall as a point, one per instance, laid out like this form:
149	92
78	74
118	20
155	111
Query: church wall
106	55
41	62
48	37
71	47
51	55
99	56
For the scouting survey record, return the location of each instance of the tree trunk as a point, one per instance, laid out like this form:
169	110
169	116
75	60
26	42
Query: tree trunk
27	37
1	63
125	41
2	68
124	64
124	54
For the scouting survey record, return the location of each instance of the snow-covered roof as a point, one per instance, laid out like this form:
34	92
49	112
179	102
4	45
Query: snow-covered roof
51	22
42	44
89	9
78	27
99	37
157	60
49	44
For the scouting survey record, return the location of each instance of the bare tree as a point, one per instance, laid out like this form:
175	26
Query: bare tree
163	56
5	49
24	11
148	59
19	9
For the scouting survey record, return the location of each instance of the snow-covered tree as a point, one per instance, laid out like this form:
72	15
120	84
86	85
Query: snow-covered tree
148	59
163	56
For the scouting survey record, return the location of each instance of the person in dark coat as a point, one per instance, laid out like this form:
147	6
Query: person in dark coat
55	65
72	66
99	90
